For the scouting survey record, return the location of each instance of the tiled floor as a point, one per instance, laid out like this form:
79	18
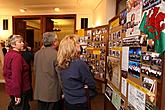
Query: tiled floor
97	103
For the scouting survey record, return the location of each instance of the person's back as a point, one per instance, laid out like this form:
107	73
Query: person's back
75	74
46	76
47	86
28	57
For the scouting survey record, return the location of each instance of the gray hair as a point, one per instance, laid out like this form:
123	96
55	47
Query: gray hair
48	38
13	39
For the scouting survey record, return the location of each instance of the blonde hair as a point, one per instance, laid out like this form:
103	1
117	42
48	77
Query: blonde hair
13	39
67	51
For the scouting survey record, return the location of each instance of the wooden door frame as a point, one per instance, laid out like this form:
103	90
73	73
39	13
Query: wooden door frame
43	20
65	16
31	17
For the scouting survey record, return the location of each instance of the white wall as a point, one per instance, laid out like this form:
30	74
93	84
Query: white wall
88	15
104	11
4	34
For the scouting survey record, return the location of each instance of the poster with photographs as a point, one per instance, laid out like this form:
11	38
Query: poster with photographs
151	64
135	54
108	92
134	69
116	100
116	71
134	8
150	3
136	98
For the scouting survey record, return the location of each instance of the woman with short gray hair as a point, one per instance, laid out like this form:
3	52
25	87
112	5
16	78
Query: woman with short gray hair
16	74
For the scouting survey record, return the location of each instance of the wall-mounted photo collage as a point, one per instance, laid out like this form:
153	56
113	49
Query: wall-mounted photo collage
138	61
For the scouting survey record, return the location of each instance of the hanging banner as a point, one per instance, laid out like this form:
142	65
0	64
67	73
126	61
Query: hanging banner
153	24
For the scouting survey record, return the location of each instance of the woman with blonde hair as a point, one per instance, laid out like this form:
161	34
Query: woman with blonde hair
74	73
16	74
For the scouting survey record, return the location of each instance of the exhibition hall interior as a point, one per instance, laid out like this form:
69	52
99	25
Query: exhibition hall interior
122	43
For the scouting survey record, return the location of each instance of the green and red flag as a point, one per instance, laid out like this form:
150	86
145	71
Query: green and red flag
153	24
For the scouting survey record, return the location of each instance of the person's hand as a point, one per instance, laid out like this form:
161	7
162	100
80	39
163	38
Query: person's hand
85	86
17	100
63	96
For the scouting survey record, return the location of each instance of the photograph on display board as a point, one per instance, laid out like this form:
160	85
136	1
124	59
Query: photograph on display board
146	58
122	106
89	33
109	69
134	69
135	54
83	40
132	4
114	53
151	95
116	35
150	45
156	59
147	83
150	106
150	3
109	92
123	17
143	40
124	74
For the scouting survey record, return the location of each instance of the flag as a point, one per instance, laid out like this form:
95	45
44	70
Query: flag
153	25
160	47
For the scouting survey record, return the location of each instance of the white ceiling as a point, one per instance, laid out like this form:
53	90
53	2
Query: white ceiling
8	7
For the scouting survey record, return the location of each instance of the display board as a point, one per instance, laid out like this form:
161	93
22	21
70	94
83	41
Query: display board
134	59
94	53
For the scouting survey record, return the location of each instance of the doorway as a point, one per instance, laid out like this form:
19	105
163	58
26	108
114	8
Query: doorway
62	25
30	28
33	26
